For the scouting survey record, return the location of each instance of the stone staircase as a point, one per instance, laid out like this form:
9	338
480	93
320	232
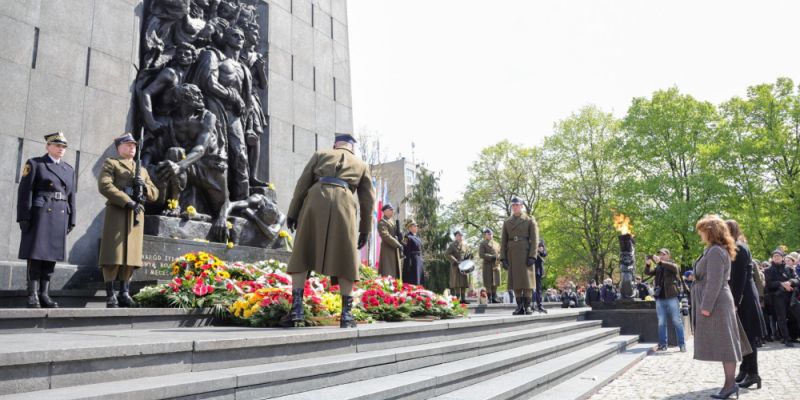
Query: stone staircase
486	356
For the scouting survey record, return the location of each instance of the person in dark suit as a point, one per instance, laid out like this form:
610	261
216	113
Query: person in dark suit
539	271
46	214
412	249
745	298
780	284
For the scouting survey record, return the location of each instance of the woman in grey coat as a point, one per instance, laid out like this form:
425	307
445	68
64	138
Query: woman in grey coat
717	330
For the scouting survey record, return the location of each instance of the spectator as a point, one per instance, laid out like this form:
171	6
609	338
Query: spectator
780	284
592	293
608	293
569	298
716	336
483	298
642	290
667	288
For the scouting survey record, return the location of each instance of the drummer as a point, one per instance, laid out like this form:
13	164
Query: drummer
456	253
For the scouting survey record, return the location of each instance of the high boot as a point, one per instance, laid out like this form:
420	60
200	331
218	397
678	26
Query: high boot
125	299
296	315
347	320
44	295
111	299
742	374
540	309
750	380
495	300
33	294
526	305
519	310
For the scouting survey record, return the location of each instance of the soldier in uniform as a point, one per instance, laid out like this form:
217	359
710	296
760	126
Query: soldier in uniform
413	272
121	243
323	210
46	214
456	253
539	274
489	252
391	248
518	251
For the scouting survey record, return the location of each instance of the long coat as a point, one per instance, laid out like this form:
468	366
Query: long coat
328	215
519	241
389	264
412	263
719	336
121	237
745	296
49	218
456	253
489	252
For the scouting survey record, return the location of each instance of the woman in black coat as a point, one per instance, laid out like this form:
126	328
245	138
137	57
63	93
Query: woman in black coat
412	250
745	297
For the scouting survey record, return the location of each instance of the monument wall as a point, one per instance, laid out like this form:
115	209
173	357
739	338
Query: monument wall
69	65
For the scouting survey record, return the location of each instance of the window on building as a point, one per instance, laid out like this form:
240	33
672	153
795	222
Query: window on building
409	176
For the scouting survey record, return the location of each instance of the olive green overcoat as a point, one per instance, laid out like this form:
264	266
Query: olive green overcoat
456	253
489	252
121	237
520	241
328	218
389	264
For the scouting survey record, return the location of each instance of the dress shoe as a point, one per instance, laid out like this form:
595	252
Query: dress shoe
724	394
750	380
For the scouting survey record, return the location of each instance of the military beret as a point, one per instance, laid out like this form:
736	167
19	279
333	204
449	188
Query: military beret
516	200
345	137
387	206
124	138
56	138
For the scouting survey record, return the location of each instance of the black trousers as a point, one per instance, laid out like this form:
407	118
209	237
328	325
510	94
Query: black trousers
750	361
538	294
780	308
40	270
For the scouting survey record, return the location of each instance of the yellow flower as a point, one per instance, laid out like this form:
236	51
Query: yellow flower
190	257
230	245
172	204
191	210
248	313
223	274
175	270
283	234
228	225
271	186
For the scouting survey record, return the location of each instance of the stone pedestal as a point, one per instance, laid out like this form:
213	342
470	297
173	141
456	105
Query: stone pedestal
243	233
160	252
636	318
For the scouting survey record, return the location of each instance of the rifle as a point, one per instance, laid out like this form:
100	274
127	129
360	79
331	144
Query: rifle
138	191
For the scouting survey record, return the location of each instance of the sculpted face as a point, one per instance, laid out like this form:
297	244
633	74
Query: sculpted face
185	57
234	37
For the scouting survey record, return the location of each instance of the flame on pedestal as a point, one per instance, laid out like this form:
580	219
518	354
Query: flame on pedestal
623	224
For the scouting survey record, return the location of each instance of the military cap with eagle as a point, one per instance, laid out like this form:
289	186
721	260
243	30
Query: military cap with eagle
56	138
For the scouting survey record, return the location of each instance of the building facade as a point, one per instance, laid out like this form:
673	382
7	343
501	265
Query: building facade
69	65
399	177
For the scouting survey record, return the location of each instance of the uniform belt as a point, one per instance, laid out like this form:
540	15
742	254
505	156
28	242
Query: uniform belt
519	238
328	180
53	195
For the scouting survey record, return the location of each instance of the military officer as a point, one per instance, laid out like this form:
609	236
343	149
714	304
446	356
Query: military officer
46	214
389	264
324	213
542	254
121	243
518	250
413	272
489	252
456	253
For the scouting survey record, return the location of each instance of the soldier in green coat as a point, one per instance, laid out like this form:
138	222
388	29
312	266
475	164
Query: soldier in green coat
489	252
518	250
389	264
327	217
456	253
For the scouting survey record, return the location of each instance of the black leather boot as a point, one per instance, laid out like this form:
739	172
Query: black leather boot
125	299
296	315
519	310
750	380
742	374
495	300
540	309
111	299
347	320
526	305
44	295
33	294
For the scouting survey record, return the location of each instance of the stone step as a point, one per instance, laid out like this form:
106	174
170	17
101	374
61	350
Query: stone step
282	378
523	382
90	295
13	320
585	384
507	308
48	360
423	383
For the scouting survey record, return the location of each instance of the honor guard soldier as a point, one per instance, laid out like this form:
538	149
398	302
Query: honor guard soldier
324	213
413	271
123	233
489	252
539	275
518	251
456	253
391	246
46	214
